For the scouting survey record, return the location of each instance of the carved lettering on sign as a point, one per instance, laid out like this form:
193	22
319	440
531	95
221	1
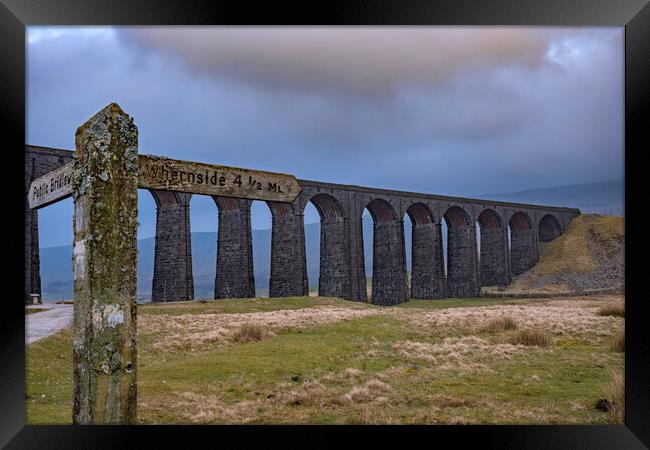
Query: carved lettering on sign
51	187
182	176
210	179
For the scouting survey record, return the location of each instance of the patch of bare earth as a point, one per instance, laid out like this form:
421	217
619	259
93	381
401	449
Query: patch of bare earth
194	331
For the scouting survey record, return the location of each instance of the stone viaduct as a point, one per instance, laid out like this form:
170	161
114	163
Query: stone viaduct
342	268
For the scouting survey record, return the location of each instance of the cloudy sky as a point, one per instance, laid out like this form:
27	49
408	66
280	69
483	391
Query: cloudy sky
445	110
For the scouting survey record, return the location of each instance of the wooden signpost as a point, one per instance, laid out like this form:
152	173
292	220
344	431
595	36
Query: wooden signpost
104	181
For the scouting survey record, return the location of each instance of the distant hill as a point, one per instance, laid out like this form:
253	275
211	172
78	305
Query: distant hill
56	262
601	197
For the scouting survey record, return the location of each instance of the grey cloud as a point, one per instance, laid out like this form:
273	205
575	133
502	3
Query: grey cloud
362	60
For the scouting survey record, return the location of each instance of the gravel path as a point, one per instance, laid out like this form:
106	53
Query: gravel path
45	323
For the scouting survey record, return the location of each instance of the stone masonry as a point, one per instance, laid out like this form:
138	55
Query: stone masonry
333	280
494	269
462	270
427	269
342	267
523	244
234	275
288	260
172	279
549	228
389	284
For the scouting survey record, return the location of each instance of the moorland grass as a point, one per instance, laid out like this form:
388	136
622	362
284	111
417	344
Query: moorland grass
615	390
249	332
502	323
531	337
616	310
618	343
340	372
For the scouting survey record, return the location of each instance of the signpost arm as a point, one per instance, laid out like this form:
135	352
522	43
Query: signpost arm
104	187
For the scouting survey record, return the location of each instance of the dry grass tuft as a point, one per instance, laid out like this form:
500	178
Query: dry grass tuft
502	323
249	332
618	343
616	395
311	392
456	420
359	394
616	310
376	385
445	401
371	391
352	373
531	337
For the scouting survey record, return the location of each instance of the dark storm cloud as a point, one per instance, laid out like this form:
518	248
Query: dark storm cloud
449	110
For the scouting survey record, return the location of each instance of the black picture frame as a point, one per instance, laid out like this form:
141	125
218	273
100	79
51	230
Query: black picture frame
634	15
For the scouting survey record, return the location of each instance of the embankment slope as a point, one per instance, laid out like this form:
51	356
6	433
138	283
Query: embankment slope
588	255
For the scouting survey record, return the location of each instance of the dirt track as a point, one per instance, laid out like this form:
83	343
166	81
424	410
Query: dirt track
45	323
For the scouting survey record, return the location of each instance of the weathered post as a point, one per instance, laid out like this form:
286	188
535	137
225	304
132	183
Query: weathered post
105	184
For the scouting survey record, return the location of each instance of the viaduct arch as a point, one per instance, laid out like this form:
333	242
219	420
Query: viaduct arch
342	270
549	228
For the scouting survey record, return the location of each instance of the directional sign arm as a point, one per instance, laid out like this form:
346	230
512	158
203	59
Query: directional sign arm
155	172
51	187
211	179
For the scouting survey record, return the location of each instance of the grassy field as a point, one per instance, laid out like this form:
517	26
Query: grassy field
34	310
324	360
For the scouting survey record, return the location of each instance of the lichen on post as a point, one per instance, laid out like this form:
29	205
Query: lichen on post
105	183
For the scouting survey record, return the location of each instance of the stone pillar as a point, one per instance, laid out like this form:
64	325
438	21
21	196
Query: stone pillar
234	278
32	260
288	259
523	249
32	263
462	268
389	283
105	192
172	270
494	268
427	280
354	235
334	277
